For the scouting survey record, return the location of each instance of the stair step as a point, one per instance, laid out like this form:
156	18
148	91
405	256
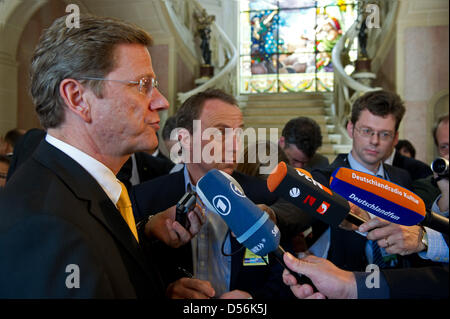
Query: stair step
324	128
287	103
286	97
291	111
280	119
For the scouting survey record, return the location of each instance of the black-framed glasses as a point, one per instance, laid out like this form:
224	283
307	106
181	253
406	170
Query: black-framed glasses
368	132
145	85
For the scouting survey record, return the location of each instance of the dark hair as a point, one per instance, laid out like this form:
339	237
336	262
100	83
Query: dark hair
12	136
87	51
253	169
380	103
441	119
406	145
169	125
191	109
304	133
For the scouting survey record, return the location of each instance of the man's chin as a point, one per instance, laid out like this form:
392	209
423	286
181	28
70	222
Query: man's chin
228	168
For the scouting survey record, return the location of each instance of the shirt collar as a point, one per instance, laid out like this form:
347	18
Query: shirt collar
354	164
102	174
390	159
187	180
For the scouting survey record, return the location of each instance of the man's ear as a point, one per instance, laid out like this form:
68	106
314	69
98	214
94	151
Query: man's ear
350	129
395	142
72	93
282	142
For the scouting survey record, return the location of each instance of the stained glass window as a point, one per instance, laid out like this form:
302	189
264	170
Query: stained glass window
285	45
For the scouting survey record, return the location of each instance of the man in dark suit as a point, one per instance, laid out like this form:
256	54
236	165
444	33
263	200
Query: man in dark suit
373	127
300	139
141	167
415	168
67	229
240	275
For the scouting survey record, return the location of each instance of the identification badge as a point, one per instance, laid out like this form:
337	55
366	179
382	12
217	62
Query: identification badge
250	259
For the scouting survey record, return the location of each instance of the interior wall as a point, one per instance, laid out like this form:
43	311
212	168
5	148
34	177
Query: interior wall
42	19
421	68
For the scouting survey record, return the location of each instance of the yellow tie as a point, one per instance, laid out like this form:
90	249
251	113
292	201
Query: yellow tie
124	206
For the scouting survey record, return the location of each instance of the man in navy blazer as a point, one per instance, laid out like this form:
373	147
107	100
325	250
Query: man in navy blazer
61	233
241	275
373	127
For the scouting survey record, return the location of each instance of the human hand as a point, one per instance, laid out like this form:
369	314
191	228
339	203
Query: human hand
190	288
443	187
394	238
164	227
355	210
269	211
330	281
236	294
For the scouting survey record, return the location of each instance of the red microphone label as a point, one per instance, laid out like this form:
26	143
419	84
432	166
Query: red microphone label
323	208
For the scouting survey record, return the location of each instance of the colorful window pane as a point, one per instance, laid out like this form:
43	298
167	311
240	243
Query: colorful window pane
285	45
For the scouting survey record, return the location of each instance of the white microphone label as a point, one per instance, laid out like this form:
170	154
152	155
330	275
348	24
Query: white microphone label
236	190
294	192
221	204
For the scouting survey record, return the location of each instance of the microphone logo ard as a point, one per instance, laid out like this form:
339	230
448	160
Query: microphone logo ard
252	226
222	205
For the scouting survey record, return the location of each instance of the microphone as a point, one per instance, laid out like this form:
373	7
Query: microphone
298	187
252	226
385	199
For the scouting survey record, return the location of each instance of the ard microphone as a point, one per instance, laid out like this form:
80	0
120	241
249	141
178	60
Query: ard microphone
251	225
385	199
298	187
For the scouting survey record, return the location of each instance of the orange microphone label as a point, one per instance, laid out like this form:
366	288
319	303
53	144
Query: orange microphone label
383	188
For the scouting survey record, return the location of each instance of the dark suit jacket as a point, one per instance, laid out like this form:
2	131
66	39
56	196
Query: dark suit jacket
427	189
347	249
148	167
415	168
165	191
317	161
425	282
55	214
24	147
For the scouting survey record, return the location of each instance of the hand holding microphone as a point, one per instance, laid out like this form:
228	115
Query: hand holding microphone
252	226
385	199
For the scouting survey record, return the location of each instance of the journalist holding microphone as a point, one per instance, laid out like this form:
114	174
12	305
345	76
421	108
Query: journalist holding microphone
404	240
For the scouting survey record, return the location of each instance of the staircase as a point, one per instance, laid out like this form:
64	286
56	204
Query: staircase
275	110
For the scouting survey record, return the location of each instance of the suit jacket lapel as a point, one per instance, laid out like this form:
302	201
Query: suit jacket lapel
85	187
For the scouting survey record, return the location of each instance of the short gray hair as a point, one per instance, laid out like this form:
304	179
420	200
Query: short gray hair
87	51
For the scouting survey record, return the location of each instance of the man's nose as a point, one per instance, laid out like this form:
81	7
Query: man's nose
158	102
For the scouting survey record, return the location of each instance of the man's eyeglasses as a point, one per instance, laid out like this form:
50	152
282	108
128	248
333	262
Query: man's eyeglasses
368	132
145	85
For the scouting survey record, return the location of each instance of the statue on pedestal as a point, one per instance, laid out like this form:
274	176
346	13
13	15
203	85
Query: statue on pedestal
204	22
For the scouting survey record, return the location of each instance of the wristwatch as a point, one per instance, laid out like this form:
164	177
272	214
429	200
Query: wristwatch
424	238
